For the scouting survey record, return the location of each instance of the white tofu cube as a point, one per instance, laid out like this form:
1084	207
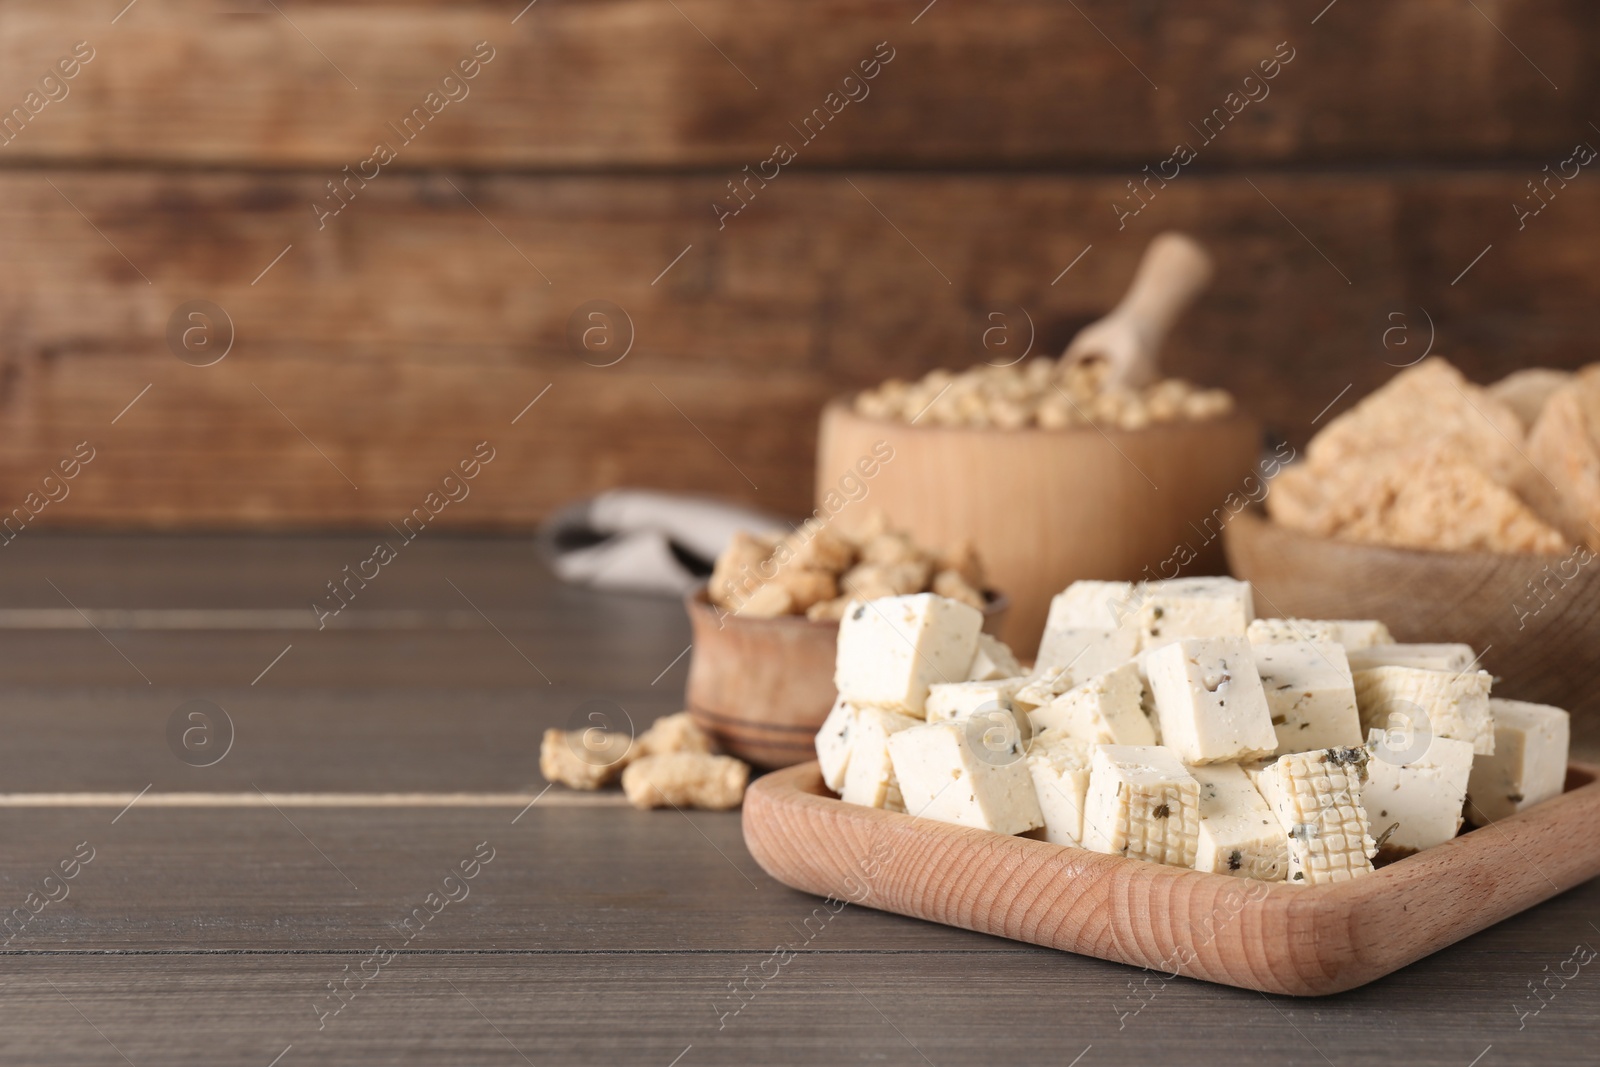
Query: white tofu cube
869	778
1147	699
1279	631
1142	803
1147	702
1455	703
1210	701
833	743
1105	710
1239	834
1040	690
1092	627
948	774
948	701
1351	633
957	700
1361	633
1194	607
1316	797
1084	653
1529	763
1060	770
893	648
1413	800
993	661
1447	657
1310	694
1092	606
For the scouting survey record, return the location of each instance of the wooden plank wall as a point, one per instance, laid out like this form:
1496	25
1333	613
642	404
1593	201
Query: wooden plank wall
188	159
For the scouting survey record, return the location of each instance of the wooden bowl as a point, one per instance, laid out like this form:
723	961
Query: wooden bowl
1045	508
762	687
1535	621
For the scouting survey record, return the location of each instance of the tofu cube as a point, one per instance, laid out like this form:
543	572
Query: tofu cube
1092	627
1310	694
957	700
1351	633
1447	657
1142	803
1092	606
947	773
1280	631
869	777
1239	834
1194	607
1105	710
1209	700
1040	690
892	649
1147	702
1455	703
949	701
993	661
1361	633
1529	764
1413	800
1084	653
833	743
1060	770
1316	797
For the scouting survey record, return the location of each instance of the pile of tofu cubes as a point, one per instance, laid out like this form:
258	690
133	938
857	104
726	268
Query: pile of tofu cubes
1164	722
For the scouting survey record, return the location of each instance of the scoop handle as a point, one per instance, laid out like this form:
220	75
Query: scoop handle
1173	271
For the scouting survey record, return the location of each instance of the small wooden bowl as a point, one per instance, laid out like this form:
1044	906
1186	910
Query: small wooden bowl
1045	508
762	687
1270	936
1536	628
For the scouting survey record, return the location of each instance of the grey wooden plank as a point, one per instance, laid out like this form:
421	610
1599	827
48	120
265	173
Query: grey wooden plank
563	880
505	621
307	879
581	652
1034	1007
287	571
296	740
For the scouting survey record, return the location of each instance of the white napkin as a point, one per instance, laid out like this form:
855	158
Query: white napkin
644	541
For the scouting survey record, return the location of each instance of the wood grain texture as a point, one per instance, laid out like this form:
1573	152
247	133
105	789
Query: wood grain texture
562	880
1301	941
253	572
451	613
1535	621
1045	508
635	83
201	1009
360	736
409	329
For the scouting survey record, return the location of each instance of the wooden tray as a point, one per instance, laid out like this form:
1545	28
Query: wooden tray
1304	941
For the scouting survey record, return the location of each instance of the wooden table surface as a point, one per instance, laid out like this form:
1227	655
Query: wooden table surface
213	933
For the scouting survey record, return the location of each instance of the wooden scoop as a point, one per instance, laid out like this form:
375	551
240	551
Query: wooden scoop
1173	271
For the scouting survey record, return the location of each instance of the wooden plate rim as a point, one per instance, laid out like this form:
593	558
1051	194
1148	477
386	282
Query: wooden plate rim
1330	940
